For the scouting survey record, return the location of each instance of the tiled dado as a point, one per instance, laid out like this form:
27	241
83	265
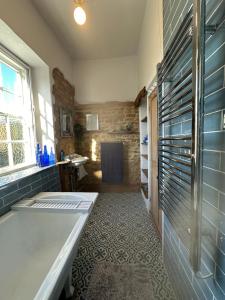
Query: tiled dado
27	183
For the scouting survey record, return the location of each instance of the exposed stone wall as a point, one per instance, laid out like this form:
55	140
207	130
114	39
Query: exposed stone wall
113	119
64	94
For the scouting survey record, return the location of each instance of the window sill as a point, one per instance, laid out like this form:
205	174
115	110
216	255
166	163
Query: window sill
19	175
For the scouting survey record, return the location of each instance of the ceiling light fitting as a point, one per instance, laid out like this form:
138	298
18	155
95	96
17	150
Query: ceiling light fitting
79	13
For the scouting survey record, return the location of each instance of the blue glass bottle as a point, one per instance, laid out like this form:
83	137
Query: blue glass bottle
45	157
51	157
41	159
38	148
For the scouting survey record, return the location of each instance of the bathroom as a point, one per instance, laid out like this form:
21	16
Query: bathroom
112	149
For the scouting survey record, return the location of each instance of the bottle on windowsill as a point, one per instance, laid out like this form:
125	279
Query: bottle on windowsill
45	157
51	157
38	150
62	155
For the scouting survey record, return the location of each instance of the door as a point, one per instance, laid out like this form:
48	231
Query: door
156	212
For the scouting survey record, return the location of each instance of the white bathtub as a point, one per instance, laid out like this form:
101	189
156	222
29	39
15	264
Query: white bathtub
36	253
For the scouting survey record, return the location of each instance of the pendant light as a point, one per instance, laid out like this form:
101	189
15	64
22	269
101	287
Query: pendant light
79	13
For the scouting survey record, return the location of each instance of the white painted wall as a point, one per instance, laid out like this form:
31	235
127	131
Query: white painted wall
120	79
103	80
22	17
150	50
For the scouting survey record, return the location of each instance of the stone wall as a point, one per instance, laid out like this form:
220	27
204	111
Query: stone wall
113	119
64	94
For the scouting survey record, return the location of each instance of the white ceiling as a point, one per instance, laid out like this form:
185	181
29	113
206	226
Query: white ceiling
112	29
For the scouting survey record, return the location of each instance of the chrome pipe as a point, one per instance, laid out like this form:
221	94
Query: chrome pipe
184	38
179	55
175	167
180	33
188	191
198	92
177	115
168	103
173	191
176	138
173	108
170	171
176	160
176	153
188	147
182	79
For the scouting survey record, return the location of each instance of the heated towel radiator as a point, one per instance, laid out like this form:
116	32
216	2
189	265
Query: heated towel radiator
180	121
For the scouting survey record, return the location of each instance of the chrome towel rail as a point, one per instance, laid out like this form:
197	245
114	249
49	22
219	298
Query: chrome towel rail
173	91
175	104
180	88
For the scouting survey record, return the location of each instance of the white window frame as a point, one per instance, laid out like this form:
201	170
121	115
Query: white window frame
14	62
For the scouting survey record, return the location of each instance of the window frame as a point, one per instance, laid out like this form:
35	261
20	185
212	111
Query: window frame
10	59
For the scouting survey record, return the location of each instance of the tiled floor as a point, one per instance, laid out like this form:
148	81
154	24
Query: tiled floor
120	231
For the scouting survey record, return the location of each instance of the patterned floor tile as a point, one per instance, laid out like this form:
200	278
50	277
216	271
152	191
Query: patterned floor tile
120	231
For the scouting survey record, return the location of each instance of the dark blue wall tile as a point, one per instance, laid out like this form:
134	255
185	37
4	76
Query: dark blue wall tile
186	127
213	122
215	102
44	181
9	188
223	162
211	159
210	195
220	278
214	82
214	178
214	141
16	195
28	180
222	203
213	48
221	241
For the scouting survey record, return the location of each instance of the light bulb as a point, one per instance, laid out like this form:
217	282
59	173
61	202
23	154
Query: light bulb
79	15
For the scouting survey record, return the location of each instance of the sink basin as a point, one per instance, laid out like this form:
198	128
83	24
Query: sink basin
36	253
76	159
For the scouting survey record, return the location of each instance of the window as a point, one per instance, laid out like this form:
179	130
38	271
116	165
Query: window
16	115
92	122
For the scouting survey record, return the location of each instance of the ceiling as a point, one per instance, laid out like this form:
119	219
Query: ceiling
112	29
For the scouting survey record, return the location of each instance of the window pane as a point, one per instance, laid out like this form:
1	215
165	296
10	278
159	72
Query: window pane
16	116
3	132
11	104
4	159
16	129
10	79
18	153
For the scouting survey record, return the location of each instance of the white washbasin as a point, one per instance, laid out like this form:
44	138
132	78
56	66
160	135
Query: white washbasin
36	252
76	159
